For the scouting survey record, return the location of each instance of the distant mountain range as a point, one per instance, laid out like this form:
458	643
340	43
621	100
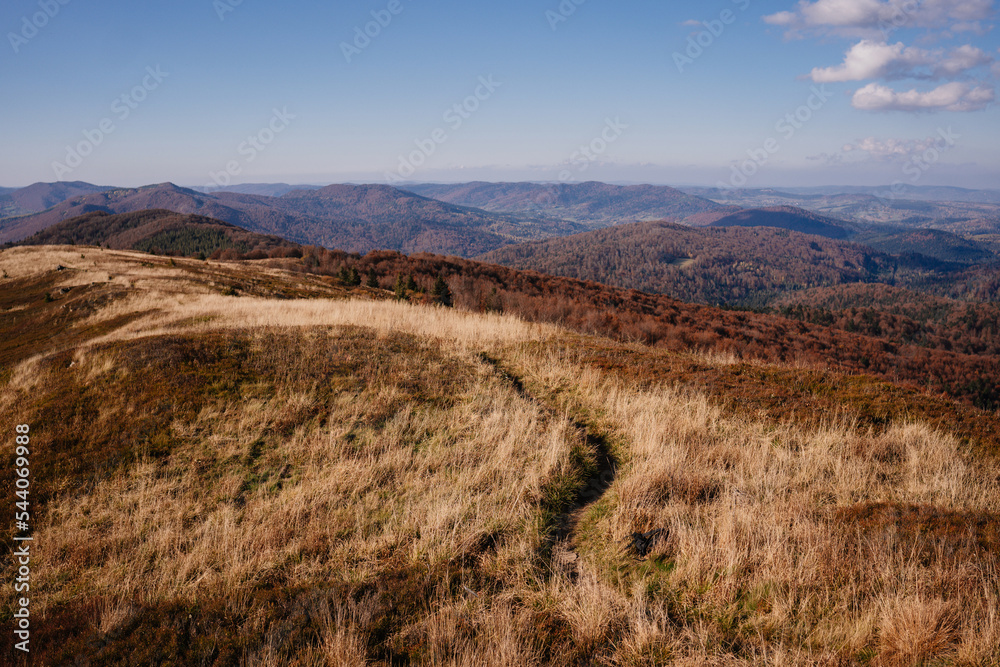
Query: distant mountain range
265	189
904	191
356	218
908	191
951	209
592	203
40	196
454	220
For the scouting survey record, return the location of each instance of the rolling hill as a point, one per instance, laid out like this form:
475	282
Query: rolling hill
356	218
160	232
714	265
935	243
235	463
595	204
780	217
40	196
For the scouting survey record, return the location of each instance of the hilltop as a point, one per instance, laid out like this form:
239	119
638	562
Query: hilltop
247	464
40	196
780	217
161	232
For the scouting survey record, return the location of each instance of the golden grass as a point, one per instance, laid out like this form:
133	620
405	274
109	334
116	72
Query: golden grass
755	555
184	313
435	471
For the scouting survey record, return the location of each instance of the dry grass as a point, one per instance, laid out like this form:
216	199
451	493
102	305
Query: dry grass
353	482
189	314
758	561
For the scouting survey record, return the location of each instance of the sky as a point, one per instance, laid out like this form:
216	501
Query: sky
727	93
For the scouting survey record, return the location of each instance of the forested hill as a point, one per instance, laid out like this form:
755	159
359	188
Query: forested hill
715	265
162	232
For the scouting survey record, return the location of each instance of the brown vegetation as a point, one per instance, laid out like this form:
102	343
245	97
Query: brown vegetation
661	321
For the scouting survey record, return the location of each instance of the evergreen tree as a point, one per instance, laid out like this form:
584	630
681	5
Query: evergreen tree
400	287
411	284
441	293
372	278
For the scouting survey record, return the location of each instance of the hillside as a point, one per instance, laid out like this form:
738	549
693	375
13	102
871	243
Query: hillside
901	316
40	196
165	196
356	218
969	372
592	203
714	265
935	243
342	478
160	232
780	217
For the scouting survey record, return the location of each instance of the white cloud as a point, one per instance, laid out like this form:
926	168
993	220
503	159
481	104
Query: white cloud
971	26
873	60
891	149
781	18
960	59
954	96
866	17
869	60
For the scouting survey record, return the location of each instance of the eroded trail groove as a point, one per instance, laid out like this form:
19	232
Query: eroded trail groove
596	460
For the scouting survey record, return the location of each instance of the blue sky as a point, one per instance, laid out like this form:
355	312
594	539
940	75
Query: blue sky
215	91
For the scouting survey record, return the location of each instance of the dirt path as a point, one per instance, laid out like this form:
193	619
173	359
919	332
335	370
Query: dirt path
564	534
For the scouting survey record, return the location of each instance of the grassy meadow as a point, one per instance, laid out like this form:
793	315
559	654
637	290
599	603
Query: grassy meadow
237	465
